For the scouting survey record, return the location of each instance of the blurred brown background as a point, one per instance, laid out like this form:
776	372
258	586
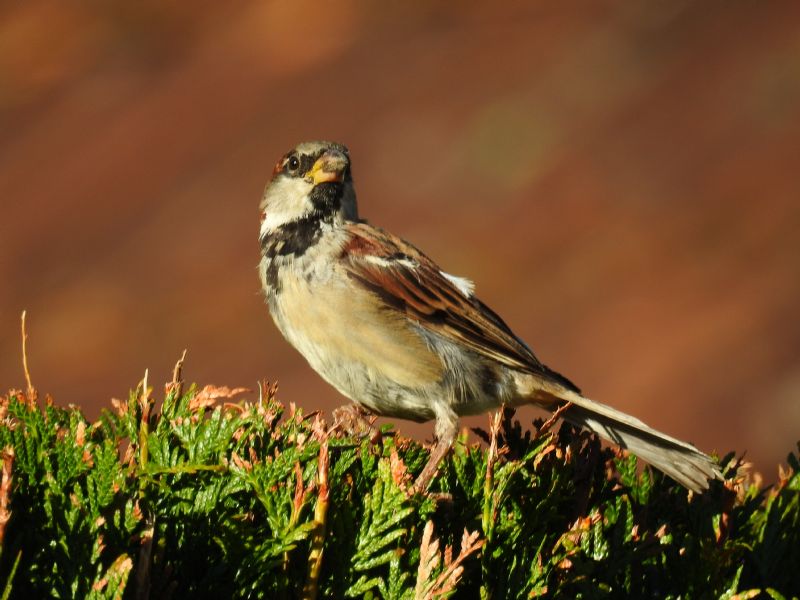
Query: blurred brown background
620	179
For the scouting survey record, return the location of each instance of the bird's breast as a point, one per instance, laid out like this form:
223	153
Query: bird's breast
346	335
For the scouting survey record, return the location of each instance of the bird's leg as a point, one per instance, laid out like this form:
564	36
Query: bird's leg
446	430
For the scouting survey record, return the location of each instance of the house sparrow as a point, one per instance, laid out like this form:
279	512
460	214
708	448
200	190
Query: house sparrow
384	325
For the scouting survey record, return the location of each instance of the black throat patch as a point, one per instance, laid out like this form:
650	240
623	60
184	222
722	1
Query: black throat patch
293	239
326	198
296	237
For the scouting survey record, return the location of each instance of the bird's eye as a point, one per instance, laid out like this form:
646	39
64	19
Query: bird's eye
293	163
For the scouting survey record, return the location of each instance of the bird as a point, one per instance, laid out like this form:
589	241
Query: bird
389	329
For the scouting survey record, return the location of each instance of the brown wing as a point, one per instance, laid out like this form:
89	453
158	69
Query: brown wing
410	282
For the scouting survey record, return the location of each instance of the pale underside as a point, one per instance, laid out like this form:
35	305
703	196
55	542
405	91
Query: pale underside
368	353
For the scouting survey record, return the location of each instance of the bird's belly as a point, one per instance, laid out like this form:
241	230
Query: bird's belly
371	356
380	391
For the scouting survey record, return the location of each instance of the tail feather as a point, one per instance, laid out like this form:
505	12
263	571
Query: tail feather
683	462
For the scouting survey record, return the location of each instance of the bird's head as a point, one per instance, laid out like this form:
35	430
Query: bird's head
312	180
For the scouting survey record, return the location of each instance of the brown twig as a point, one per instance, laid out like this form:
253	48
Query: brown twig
176	385
489	508
311	587
144	564
210	394
31	391
430	558
547	425
447	580
5	490
144	408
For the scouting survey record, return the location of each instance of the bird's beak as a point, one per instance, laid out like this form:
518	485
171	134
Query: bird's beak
330	167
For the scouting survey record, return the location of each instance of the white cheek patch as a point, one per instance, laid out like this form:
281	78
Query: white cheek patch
464	285
285	200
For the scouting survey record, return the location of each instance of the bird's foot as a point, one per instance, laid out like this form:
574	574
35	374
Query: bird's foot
353	420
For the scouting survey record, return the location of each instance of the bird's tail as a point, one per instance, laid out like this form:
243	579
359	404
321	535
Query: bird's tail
683	462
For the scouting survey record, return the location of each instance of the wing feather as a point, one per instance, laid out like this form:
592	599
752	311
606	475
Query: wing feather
408	281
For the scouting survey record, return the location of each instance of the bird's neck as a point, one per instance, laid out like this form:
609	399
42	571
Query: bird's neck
294	238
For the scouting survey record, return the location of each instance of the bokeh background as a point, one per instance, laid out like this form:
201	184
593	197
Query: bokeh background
620	179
